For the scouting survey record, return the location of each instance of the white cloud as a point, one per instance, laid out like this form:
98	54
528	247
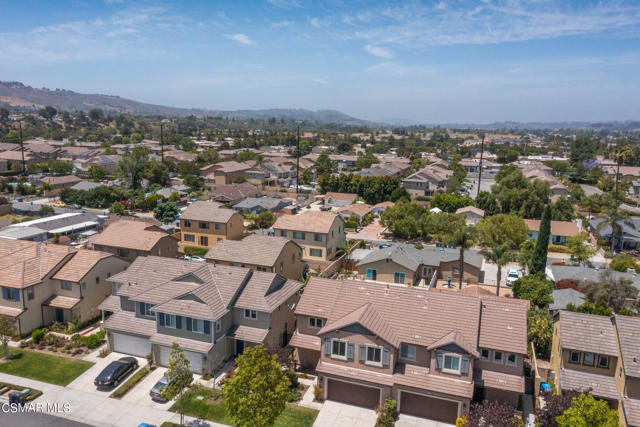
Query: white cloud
317	23
379	51
241	38
285	4
282	24
320	81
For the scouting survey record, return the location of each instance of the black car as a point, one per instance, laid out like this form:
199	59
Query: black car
115	372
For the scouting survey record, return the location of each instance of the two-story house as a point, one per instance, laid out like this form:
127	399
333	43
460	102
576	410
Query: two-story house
628	369
43	283
431	351
226	172
205	222
261	253
320	233
212	311
131	238
428	181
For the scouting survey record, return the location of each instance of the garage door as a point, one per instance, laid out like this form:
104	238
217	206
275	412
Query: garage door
353	394
129	344
195	359
429	407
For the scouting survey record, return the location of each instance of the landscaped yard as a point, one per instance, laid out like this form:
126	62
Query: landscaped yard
44	367
216	411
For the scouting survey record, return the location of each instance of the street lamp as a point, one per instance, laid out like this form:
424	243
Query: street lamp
18	118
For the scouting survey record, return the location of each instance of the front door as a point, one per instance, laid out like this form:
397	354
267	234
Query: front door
59	315
239	347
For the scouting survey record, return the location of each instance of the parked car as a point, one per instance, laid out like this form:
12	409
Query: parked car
59	204
512	275
115	372
74	206
157	389
197	258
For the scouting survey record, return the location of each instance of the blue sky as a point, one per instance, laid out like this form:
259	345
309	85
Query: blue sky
439	61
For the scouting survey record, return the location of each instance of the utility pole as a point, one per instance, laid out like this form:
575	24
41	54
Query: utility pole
161	142
480	168
298	160
24	168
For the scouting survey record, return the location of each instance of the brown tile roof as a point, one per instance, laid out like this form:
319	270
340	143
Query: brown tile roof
341	196
419	377
126	321
587	332
186	307
503	325
600	385
558	228
24	263
471	209
308	221
232	166
247	333
234	192
499	380
628	329
164	292
455	337
309	342
80	265
266	291
15	312
131	234
185	343
253	249
355	373
60	301
359	209
370	319
60	180
631	411
207	211
110	303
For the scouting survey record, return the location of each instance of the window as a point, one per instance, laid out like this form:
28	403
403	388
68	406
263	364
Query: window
374	355
293	258
108	274
203	225
216	226
497	357
97	279
398	278
84	285
300	235
189	238
485	354
65	285
603	362
317	237
316	322
204	241
588	359
339	349
30	293
261	268
315	252
512	359
283	233
427	271
574	357
218	326
372	274
451	363
197	325
171	321
145	309
10	294
281	266
122	252
408	351
250	314
141	253
186	223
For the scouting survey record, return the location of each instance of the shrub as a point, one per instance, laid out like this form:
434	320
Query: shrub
622	262
22	344
150	358
293	378
568	284
318	392
386	413
195	250
418	246
38	334
94	340
104	352
128	385
76	340
559	249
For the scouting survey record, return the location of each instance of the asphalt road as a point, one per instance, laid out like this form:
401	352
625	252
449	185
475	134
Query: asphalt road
36	419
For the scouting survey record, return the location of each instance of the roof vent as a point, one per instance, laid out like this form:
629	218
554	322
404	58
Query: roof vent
362	288
509	327
635	360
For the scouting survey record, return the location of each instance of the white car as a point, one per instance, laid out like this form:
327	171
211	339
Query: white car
197	258
512	275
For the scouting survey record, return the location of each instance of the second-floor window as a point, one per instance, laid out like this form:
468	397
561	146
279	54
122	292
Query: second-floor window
574	357
339	349
171	321
187	223
398	278
299	235
217	226
31	293
65	285
485	354
218	326
122	252
588	359
315	252
10	294
603	362
145	309
374	355
498	357
250	314
317	237
203	225
283	233
451	364
316	322
511	360
204	241
408	351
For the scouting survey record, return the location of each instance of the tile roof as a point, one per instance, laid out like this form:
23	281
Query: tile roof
309	221
471	209
60	180
564	297
131	234
60	301
631	411
420	377
587	332
164	292
80	265
126	321
503	325
266	291
600	385
558	228
185	343
310	342
355	373
358	208
110	303
233	192
186	307
207	211
232	166
411	258
455	337
628	328
15	312
499	380
24	263
253	249
370	319
247	333
341	196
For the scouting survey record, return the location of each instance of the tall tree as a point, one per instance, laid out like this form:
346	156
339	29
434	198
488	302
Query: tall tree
323	164
165	212
179	376
132	165
542	245
500	255
580	248
463	237
587	411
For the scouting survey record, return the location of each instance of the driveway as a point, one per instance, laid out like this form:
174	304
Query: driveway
140	393
336	414
405	420
85	381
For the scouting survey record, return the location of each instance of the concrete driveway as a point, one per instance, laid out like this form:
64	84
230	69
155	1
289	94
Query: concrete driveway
336	414
405	420
140	393
85	381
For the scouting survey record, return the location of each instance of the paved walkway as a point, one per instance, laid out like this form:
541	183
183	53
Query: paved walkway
308	399
336	414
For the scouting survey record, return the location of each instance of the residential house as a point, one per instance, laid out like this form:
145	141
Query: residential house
213	312
257	205
361	210
628	172
226	172
563	297
630	237
204	222
320	233
577	274
59	182
339	200
42	283
131	238
12	160
381	207
65	224
233	193
428	181
560	230
471	214
262	253
431	351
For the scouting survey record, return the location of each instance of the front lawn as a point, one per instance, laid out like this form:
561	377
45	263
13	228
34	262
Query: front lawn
44	367
216	411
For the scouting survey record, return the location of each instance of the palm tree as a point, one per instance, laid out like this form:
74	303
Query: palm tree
499	255
462	237
621	155
611	219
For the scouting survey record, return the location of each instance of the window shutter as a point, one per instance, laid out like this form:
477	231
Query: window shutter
362	353
5	293
161	317
464	369
189	324
178	322
327	347
350	349
438	361
141	307
16	295
386	356
207	326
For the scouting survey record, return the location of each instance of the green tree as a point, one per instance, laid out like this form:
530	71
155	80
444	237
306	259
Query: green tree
600	309
535	288
527	251
622	262
48	112
257	393
118	208
157	173
132	166
7	330
580	248
323	164
503	229
488	203
542	245
305	177
179	376
587	411
562	210
403	219
165	212
136	138
449	202
264	220
540	331
245	155
97	173
617	292
438	227
463	238
45	210
500	255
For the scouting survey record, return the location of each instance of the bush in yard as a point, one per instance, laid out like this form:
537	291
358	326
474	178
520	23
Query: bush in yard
554	406
585	411
94	340
318	392
76	340
492	413
293	378
38	334
128	385
386	413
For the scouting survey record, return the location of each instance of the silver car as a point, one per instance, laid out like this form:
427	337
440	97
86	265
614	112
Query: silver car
156	391
512	276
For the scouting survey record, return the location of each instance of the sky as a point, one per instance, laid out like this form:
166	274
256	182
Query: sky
439	61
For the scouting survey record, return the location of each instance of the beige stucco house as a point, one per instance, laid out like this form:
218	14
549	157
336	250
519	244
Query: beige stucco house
205	222
320	233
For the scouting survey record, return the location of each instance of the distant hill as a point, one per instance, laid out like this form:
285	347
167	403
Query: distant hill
18	95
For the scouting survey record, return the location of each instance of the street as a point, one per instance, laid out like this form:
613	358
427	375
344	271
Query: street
36	419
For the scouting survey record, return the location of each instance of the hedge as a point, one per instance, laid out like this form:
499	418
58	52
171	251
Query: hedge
195	250
135	379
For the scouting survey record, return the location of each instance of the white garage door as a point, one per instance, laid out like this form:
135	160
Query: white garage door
129	344
195	359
